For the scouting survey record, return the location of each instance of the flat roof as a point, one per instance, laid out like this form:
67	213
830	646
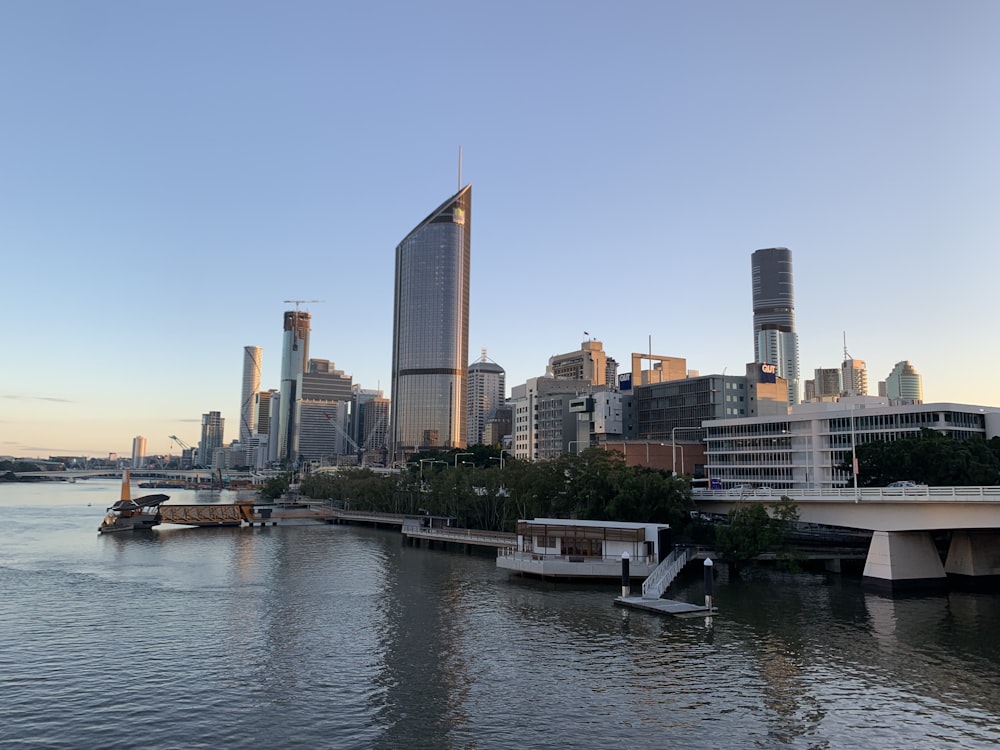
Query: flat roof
594	524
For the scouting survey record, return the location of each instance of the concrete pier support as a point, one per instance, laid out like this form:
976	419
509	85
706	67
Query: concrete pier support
900	560
974	556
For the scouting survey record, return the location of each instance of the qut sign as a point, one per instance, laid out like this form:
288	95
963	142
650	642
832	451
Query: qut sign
768	373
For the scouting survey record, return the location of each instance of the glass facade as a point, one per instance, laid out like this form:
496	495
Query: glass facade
431	330
811	449
662	407
775	341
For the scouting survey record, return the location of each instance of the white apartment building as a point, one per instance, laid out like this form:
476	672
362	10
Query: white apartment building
806	447
854	377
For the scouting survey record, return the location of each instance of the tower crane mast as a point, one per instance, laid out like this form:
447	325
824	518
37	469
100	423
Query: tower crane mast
298	302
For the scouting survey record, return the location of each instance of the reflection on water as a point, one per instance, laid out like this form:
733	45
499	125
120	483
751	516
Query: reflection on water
342	637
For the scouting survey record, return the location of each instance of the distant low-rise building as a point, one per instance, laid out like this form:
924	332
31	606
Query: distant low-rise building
903	384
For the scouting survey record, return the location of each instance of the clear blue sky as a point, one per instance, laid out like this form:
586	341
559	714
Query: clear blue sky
170	172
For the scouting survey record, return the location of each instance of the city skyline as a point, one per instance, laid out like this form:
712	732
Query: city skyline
160	205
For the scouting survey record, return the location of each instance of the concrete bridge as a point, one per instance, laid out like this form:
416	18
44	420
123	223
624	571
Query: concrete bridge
192	475
903	521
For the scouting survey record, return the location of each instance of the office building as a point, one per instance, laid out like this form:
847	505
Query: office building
775	339
370	424
588	363
322	432
248	394
262	411
294	356
273	428
658	410
323	413
212	427
903	384
545	426
322	381
430	334
811	445
825	386
138	452
611	373
487	391
854	377
499	428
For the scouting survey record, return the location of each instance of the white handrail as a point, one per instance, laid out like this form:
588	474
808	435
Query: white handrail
665	573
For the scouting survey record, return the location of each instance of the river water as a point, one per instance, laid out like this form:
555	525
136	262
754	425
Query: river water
343	637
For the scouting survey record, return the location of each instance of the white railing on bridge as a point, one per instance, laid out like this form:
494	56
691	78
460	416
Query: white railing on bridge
398	519
474	536
665	573
804	494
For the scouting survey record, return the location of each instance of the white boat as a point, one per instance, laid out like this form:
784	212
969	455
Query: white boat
132	515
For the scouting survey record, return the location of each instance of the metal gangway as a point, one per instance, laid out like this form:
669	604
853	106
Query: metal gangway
205	515
665	573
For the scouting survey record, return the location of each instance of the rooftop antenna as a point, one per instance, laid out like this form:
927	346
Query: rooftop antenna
846	355
460	167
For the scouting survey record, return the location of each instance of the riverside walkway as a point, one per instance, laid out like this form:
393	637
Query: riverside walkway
416	527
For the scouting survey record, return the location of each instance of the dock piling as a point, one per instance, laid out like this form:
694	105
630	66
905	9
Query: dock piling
709	568
626	583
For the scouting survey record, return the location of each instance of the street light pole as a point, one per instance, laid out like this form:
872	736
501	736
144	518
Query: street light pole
570	444
673	446
427	461
459	455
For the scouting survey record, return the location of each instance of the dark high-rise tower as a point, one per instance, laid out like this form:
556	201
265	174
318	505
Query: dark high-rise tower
430	333
775	340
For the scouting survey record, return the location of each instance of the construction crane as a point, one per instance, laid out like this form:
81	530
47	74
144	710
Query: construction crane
378	429
295	326
298	302
181	443
357	449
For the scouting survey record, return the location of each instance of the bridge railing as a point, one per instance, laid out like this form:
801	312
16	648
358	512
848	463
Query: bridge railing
491	538
991	493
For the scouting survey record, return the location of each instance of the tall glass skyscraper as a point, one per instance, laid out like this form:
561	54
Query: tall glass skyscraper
430	333
774	339
212	428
